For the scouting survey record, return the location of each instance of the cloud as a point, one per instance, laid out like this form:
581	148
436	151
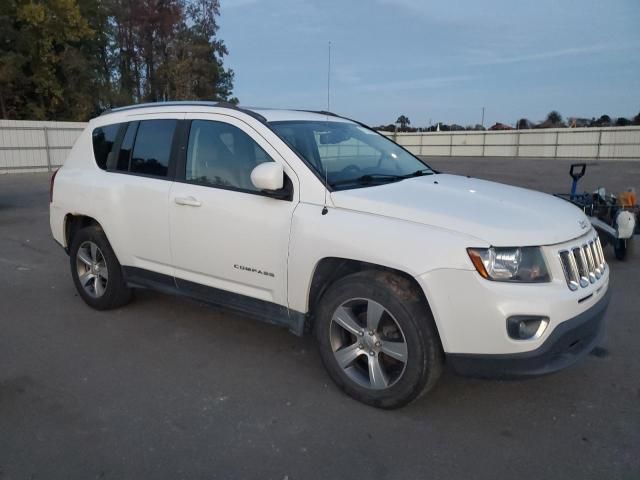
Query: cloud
346	74
416	83
492	59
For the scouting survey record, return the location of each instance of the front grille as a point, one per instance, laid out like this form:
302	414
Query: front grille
583	264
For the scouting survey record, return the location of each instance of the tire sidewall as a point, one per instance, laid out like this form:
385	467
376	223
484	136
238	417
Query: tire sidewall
115	282
414	319
620	249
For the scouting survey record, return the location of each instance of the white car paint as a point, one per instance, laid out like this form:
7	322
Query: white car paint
420	226
501	215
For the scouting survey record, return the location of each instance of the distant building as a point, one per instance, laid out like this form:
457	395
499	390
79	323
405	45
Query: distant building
550	124
500	126
579	122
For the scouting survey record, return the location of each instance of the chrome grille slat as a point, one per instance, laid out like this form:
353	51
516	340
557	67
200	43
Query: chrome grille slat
600	254
570	272
592	264
583	264
596	260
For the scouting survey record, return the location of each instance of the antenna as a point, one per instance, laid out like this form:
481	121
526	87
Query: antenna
325	210
329	80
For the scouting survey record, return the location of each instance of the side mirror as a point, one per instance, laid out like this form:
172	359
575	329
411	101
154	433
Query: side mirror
268	176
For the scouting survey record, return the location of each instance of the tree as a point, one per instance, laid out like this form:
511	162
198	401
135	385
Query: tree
604	121
636	119
403	121
523	124
198	70
554	118
622	122
71	59
41	61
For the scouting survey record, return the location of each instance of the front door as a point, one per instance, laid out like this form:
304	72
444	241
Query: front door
229	241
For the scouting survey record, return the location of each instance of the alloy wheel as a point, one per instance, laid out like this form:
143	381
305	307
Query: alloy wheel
368	343
92	269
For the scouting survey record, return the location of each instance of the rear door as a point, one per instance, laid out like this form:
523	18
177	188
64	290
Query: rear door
229	241
145	174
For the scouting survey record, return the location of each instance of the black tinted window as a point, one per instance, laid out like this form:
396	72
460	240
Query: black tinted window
103	139
125	149
153	147
222	155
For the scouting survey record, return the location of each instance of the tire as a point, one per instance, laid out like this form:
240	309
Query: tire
620	249
350	352
96	272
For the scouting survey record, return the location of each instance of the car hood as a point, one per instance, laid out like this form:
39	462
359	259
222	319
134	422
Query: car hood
499	214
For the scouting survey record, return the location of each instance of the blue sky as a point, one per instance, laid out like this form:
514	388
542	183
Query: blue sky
437	60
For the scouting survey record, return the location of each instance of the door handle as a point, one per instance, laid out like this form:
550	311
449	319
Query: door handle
188	201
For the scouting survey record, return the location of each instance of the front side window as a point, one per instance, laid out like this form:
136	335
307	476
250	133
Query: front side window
103	140
348	154
222	155
152	148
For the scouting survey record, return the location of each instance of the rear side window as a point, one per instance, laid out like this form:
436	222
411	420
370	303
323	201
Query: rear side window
124	156
103	140
152	147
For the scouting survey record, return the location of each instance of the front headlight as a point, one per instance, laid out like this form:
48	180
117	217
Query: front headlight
519	264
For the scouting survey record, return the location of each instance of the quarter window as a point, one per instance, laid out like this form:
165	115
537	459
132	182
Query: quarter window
222	155
103	140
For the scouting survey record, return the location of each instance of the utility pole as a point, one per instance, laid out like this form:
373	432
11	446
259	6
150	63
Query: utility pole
482	122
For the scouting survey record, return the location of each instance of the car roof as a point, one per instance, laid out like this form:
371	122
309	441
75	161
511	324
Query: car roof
262	114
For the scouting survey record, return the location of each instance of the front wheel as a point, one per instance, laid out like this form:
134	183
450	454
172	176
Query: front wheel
620	249
377	339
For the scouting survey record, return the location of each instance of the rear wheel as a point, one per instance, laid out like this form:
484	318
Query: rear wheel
377	339
96	272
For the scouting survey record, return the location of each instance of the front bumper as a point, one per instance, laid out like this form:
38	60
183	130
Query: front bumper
569	341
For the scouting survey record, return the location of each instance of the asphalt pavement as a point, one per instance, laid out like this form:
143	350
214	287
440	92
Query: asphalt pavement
167	388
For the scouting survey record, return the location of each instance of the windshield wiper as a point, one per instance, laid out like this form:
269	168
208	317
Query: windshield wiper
368	178
374	177
419	173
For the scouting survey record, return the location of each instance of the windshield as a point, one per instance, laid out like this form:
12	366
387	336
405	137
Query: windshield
352	156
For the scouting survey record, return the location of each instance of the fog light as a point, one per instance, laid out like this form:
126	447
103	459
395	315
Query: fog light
525	327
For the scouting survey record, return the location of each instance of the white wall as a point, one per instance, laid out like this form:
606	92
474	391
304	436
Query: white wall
28	146
613	143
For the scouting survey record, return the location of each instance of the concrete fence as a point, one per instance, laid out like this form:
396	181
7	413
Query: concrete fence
30	146
611	143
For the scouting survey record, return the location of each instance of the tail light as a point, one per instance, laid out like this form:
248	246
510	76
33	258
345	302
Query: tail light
53	179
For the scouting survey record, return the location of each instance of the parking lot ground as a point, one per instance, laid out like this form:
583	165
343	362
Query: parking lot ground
169	388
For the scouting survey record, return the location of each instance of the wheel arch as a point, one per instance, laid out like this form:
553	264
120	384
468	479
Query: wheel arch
75	222
330	269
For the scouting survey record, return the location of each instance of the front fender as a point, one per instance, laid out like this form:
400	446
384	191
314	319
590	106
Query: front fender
410	247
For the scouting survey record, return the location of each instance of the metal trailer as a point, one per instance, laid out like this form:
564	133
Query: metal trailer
616	222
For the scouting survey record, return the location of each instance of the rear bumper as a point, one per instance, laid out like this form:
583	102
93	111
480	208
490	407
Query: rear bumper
56	222
570	341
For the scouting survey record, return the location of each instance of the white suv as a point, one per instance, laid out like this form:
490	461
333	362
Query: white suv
317	223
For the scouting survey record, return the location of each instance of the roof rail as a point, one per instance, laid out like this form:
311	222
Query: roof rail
193	103
331	114
321	112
